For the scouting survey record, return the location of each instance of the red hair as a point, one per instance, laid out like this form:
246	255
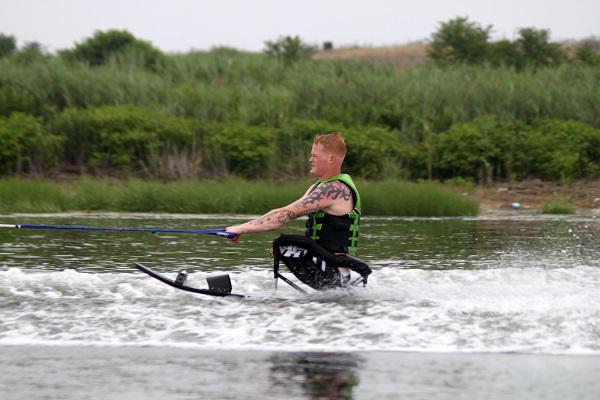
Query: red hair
332	142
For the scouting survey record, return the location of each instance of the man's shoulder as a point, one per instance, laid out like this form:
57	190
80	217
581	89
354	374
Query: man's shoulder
334	190
337	190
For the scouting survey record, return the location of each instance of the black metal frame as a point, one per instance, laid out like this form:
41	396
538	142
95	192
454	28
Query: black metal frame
347	261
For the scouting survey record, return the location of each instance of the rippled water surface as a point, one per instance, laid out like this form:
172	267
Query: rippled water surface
446	295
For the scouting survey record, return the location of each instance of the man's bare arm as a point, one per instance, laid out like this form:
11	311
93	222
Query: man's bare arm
320	198
329	191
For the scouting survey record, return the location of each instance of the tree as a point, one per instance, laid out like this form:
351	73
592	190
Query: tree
111	44
484	148
506	53
536	48
459	41
8	45
589	51
29	53
25	146
585	55
327	46
289	48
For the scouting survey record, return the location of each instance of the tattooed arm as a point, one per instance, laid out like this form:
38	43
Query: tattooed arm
334	196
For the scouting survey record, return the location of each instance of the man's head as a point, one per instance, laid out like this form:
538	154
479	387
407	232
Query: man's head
327	155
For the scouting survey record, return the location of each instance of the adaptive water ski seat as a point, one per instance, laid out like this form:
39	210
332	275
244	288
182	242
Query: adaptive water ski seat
312	264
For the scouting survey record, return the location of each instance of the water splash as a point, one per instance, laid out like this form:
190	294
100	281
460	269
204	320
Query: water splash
529	310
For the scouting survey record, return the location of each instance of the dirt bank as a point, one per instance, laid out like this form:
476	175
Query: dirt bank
532	194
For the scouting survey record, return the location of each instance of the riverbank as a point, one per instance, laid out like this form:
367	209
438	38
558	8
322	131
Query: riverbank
533	194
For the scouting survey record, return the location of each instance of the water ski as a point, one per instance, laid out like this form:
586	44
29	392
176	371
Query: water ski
218	285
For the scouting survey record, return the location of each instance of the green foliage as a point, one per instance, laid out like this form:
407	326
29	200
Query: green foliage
392	197
256	90
121	118
244	150
506	53
8	45
33	196
483	148
31	53
113	44
289	49
232	195
490	147
375	152
588	56
558	207
588	53
25	146
559	150
13	99
536	49
459	41
122	137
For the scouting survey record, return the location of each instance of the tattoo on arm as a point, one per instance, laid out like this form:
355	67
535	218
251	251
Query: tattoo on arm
331	190
286	216
282	216
310	203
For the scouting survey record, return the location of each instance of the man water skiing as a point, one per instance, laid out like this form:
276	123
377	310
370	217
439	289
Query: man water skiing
332	204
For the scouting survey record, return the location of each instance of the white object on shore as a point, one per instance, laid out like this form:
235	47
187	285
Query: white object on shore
516	205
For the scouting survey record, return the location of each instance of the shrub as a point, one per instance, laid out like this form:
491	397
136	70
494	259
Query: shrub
506	53
25	146
587	55
559	150
459	41
14	100
558	207
8	45
375	152
30	53
239	149
105	46
482	149
121	137
289	49
534	45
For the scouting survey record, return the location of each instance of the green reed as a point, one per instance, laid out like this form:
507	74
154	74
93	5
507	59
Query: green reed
558	207
232	195
226	85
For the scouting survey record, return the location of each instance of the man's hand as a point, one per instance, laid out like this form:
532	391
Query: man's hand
237	231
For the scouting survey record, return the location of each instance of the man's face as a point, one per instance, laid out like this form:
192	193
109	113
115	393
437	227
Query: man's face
319	160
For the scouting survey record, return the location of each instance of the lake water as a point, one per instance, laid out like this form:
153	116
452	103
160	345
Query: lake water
499	306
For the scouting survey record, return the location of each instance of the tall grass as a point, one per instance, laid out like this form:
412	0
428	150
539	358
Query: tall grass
226	196
557	206
415	199
20	195
226	85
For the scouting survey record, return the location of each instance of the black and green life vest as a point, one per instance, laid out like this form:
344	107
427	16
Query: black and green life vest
338	234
